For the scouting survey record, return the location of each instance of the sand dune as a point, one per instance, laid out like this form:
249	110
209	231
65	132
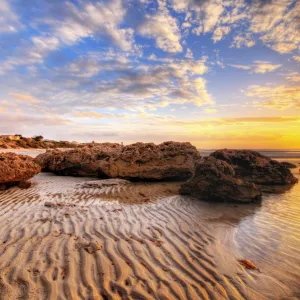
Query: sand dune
143	241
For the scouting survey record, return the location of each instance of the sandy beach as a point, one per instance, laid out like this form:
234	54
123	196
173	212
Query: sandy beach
144	241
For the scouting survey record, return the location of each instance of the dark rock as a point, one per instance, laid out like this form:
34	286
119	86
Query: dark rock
24	184
253	167
215	180
288	165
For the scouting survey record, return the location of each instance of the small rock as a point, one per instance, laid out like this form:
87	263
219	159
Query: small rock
247	264
24	184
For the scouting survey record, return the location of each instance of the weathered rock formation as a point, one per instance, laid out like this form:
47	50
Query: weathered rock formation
288	165
84	161
16	170
215	180
169	160
253	167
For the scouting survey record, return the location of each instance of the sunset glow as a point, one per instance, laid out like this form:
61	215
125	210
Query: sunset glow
216	73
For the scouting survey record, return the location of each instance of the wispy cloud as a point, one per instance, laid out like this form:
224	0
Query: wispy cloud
9	21
24	98
259	67
275	97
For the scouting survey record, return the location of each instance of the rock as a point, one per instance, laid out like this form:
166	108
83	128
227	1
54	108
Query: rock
288	165
58	204
215	180
44	159
247	264
253	167
83	161
103	183
169	160
16	170
24	184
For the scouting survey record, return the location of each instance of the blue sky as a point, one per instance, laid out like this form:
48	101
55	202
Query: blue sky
217	73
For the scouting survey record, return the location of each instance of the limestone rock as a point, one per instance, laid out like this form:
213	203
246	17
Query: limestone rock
16	170
169	160
253	167
215	180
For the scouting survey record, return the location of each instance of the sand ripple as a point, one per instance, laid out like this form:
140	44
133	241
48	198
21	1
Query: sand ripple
144	241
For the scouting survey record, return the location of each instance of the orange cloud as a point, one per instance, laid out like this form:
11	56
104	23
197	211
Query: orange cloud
24	97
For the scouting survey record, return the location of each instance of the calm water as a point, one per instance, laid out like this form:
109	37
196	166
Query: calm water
274	153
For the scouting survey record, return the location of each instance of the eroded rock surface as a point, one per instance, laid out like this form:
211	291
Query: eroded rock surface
16	170
215	180
288	165
253	167
169	160
83	161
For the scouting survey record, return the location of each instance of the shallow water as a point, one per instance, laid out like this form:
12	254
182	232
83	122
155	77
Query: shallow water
169	247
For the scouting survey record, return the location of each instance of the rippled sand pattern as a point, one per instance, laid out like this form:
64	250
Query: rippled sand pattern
143	241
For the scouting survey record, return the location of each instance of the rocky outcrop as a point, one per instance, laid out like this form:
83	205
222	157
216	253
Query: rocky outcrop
169	160
253	167
83	161
16	170
288	165
215	180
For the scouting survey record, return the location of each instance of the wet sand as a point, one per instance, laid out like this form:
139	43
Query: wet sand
144	241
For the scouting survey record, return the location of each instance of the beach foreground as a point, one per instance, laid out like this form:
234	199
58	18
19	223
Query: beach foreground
62	239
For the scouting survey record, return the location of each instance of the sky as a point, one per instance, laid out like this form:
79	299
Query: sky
216	73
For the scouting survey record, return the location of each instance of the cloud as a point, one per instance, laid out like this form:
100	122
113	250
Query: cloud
100	19
242	67
275	97
220	32
189	54
204	15
9	22
24	98
296	58
210	110
264	67
243	40
163	28
33	51
69	24
233	121
97	115
279	25
293	77
259	67
32	120
212	11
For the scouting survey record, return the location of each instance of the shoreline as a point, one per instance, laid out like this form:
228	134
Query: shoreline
67	237
171	246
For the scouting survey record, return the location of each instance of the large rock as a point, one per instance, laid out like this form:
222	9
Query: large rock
215	180
253	167
169	160
16	169
83	161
